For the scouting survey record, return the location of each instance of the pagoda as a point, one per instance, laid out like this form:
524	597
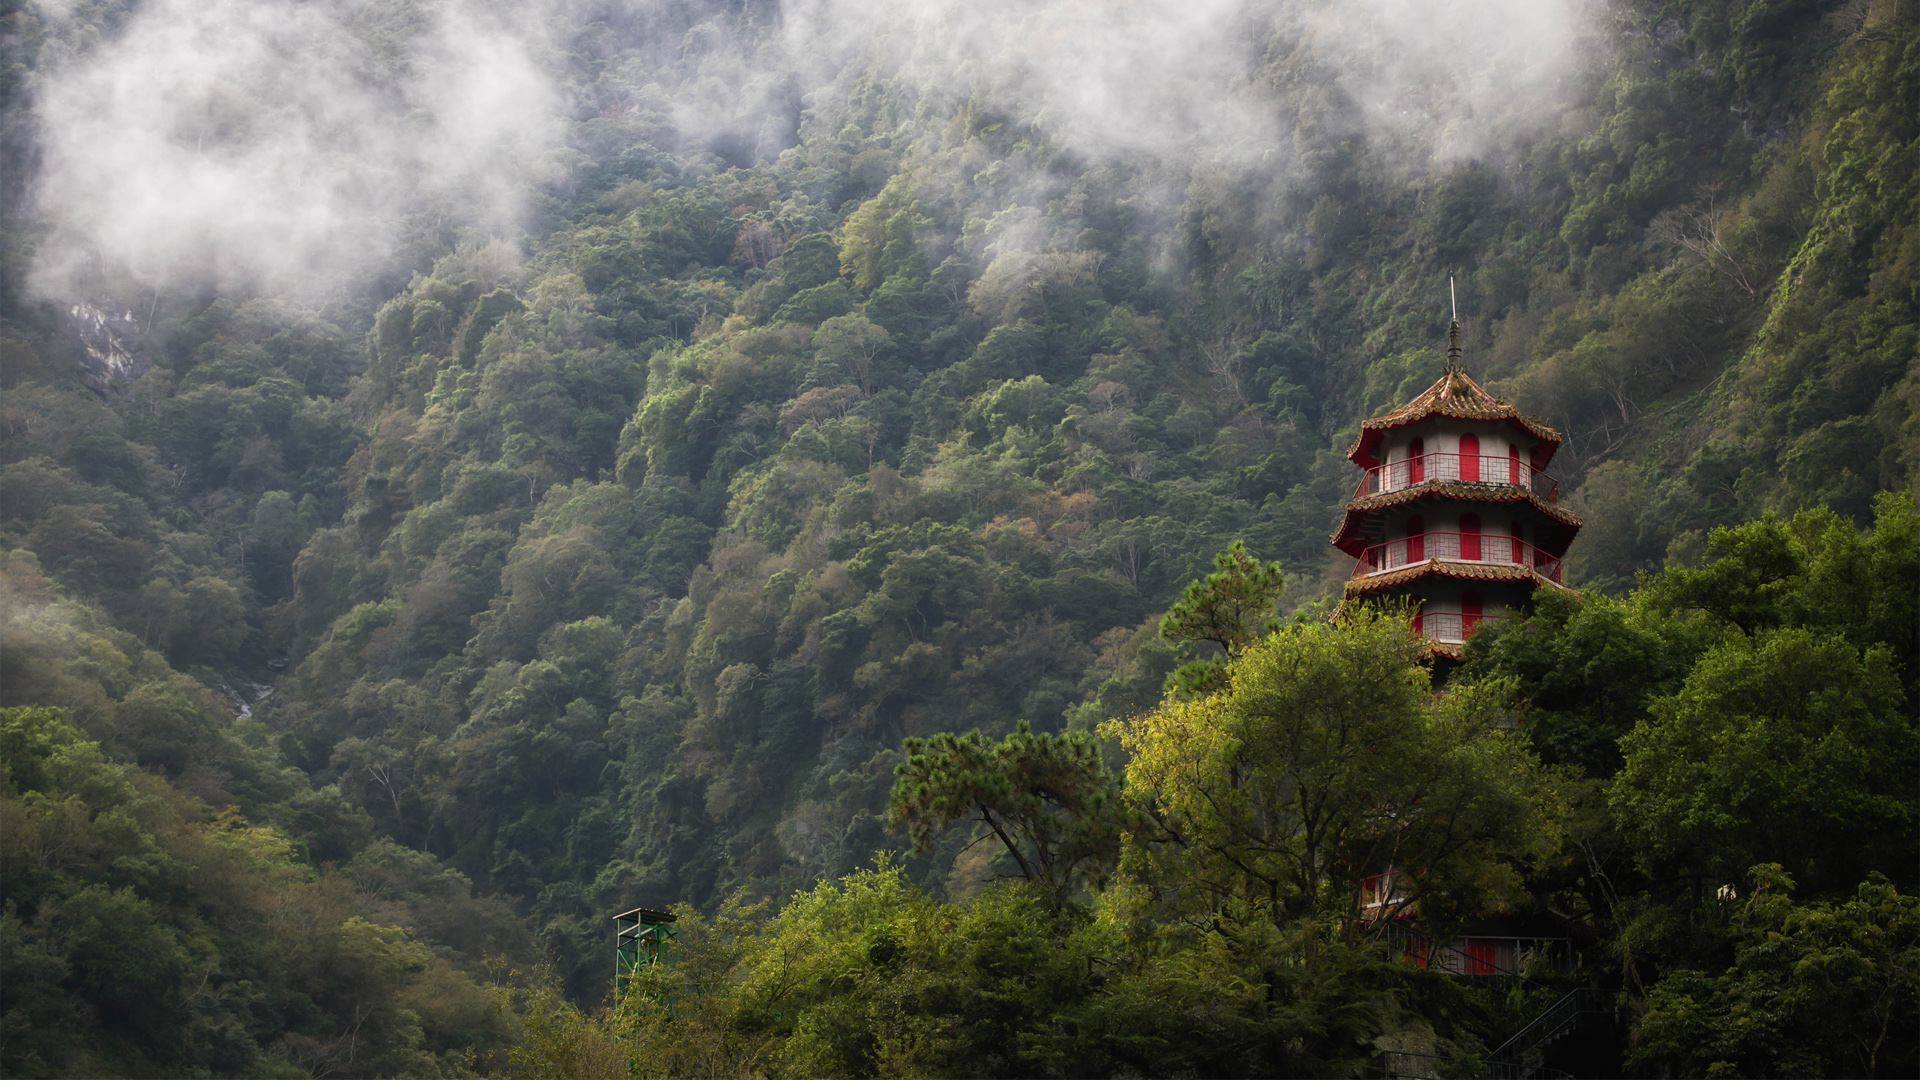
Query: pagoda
1456	512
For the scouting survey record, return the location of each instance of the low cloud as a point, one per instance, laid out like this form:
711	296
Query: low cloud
291	143
283	143
1439	81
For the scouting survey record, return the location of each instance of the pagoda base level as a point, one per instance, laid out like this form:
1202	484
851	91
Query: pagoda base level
1450	601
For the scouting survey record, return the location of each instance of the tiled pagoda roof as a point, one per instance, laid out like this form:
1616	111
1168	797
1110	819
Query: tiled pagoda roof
1346	535
1466	571
1360	589
1458	396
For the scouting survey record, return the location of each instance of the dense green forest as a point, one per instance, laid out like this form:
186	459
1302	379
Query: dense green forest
784	496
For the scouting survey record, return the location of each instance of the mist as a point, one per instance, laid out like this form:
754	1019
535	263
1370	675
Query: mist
283	144
291	146
1442	81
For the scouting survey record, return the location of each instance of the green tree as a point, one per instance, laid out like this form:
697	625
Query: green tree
1044	797
122	961
1326	760
1231	607
850	348
1589	667
1789	746
1827	988
1816	570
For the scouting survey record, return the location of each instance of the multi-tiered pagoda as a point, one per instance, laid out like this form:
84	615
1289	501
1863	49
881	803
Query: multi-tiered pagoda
1456	512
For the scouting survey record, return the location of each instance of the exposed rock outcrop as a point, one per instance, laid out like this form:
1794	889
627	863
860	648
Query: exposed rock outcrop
111	358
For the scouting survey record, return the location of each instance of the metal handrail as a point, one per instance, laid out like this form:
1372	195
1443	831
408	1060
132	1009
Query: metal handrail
1407	1065
1484	548
1507	1061
1458	468
1549	1025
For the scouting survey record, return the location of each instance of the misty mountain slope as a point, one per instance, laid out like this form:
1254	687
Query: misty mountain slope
865	373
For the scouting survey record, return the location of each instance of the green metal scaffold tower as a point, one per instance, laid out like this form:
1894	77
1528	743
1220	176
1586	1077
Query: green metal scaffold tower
640	938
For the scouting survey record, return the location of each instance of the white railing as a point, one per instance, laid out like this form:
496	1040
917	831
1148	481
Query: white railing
1466	468
1456	547
1449	627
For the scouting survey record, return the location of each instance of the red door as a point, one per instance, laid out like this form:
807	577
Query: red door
1470	457
1513	464
1469	612
1470	537
1519	545
1416	539
1479	957
1416	461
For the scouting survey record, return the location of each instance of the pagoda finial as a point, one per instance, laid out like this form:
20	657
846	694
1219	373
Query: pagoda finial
1452	331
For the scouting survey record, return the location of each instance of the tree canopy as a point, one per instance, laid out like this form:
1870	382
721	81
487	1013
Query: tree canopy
605	555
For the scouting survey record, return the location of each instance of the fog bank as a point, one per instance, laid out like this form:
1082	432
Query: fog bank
294	145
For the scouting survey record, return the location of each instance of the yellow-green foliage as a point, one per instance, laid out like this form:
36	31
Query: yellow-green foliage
1327	759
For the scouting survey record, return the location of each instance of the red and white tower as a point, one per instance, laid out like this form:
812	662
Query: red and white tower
1456	511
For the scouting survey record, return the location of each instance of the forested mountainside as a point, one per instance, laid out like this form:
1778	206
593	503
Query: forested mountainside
414	598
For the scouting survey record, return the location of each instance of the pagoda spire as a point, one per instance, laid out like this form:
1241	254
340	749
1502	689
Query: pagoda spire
1453	330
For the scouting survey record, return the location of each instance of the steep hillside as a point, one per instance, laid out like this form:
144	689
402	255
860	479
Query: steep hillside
611	564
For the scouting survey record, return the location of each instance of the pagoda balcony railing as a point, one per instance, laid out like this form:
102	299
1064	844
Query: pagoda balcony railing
1486	548
1450	627
1463	468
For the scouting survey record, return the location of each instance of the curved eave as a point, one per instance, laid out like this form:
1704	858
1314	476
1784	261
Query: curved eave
1457	396
1464	571
1375	429
1346	539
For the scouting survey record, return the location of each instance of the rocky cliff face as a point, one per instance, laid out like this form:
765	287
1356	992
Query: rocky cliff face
109	341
